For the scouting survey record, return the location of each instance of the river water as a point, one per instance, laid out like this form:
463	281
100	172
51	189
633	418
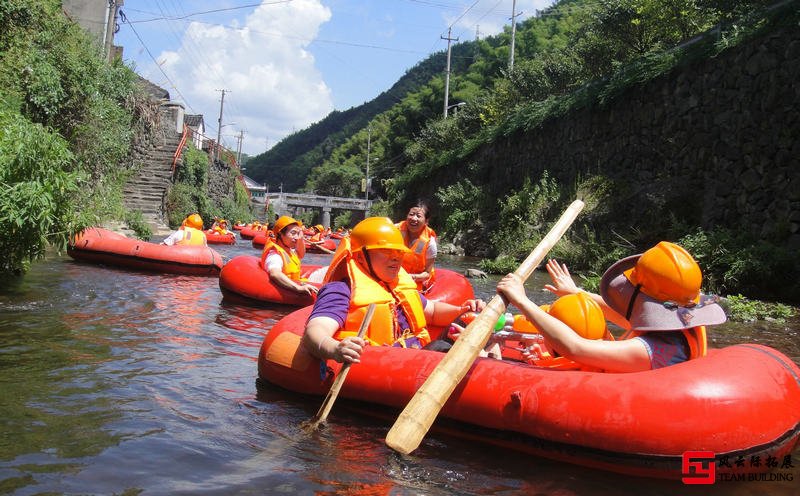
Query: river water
126	383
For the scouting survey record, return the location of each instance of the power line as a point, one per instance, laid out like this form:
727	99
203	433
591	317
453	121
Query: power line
192	53
177	18
125	20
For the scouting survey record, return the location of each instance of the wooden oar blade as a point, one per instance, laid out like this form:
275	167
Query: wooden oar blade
333	392
419	414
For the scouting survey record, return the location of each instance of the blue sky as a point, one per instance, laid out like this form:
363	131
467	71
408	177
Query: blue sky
286	64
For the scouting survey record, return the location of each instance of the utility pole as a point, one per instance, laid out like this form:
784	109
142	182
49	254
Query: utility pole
513	32
477	45
239	148
111	27
219	126
447	72
366	176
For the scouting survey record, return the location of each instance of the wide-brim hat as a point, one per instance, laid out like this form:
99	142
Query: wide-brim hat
648	314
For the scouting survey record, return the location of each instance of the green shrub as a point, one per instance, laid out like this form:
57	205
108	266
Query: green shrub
502	264
380	209
344	219
135	220
743	309
181	201
734	262
459	206
523	216
39	190
193	169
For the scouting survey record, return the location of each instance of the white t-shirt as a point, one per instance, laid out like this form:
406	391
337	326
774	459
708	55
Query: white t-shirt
274	260
432	249
174	237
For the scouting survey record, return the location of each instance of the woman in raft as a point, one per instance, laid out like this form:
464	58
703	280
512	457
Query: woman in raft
368	269
654	296
281	256
421	242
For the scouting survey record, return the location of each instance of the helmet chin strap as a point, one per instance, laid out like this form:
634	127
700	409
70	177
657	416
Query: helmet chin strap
634	295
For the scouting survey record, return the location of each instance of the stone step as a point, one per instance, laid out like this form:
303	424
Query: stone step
145	192
149	184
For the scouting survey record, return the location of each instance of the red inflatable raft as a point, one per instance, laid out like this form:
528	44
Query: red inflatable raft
327	245
260	239
244	278
738	404
215	238
247	232
102	246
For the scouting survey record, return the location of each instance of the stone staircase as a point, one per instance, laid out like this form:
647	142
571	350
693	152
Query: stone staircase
146	191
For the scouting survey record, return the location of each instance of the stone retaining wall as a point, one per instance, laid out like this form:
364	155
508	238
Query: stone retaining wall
720	139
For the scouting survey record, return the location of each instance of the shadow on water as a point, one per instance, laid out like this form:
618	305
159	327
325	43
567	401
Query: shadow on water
117	382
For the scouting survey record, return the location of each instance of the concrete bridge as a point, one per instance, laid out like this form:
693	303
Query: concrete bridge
290	203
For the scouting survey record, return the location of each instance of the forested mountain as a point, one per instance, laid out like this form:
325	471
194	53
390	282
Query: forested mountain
576	57
290	161
564	48
416	98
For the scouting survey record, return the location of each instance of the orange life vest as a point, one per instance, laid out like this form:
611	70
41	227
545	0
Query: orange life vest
192	237
291	262
416	260
383	328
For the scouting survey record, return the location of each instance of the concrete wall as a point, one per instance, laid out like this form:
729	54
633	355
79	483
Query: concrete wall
91	15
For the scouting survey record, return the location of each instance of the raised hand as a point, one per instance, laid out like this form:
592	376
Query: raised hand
562	280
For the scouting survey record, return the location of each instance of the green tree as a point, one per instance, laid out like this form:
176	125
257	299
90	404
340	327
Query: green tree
39	191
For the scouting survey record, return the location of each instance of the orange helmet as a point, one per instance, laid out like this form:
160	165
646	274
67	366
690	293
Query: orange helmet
581	313
667	272
283	222
194	221
376	233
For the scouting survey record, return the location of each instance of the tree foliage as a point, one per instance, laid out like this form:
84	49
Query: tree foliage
68	119
38	187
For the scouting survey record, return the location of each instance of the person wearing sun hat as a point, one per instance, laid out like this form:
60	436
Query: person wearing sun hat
655	296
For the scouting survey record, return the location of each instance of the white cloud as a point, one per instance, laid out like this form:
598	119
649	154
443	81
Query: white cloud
271	82
492	16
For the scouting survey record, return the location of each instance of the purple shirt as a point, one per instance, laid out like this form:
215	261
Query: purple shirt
665	348
333	301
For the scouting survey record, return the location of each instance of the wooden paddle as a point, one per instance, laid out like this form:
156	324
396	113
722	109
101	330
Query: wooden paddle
327	404
416	419
324	250
318	245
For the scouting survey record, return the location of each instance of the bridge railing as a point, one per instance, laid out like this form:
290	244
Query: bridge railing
319	201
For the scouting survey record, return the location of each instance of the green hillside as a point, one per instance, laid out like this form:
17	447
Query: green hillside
290	161
576	55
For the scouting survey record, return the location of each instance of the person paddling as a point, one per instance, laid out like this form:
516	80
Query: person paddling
367	268
655	296
281	256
